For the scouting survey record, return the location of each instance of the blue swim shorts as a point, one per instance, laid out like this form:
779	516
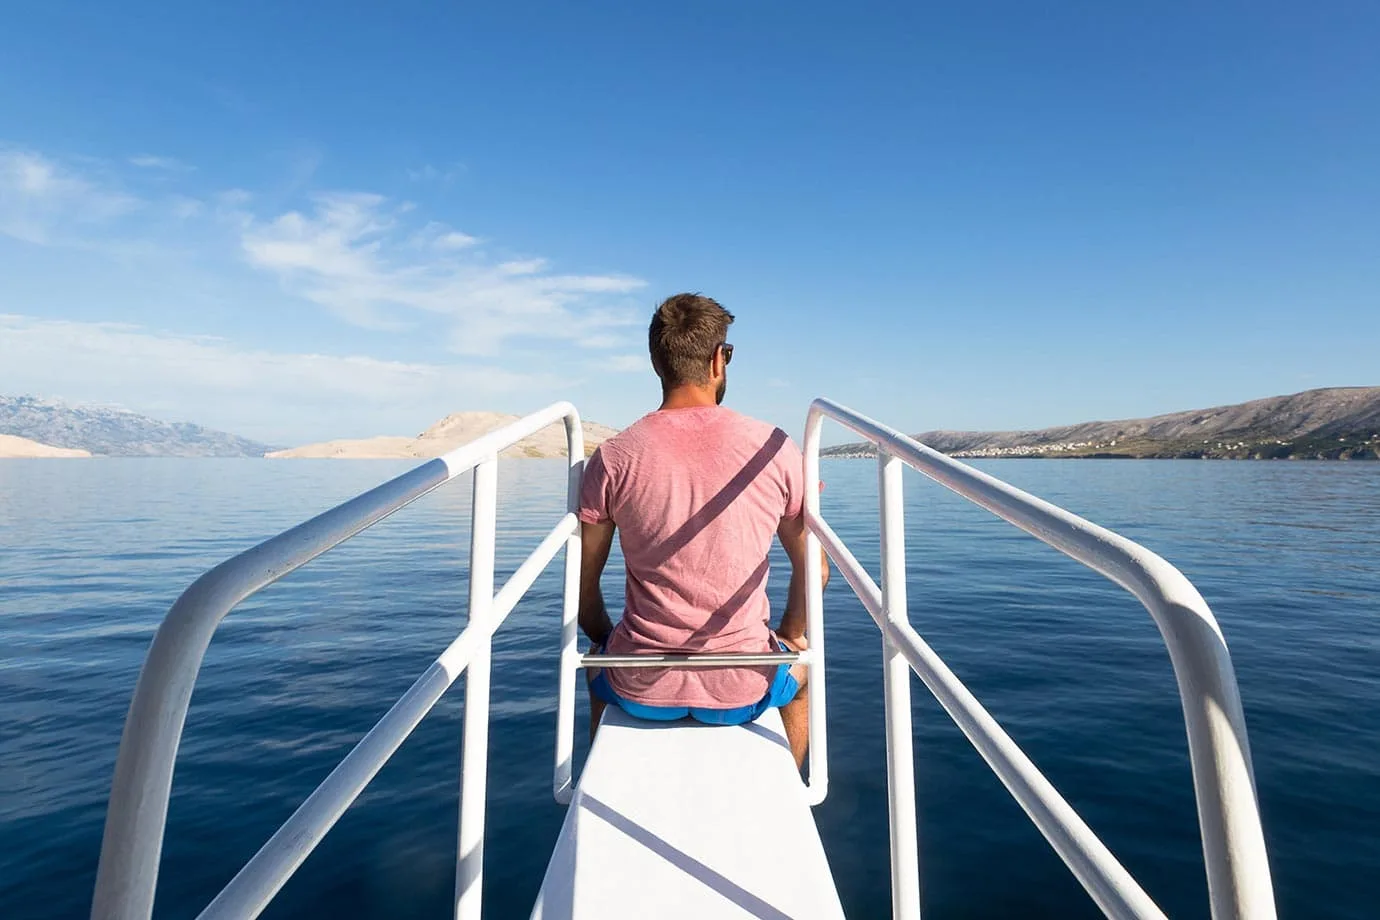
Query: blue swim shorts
783	689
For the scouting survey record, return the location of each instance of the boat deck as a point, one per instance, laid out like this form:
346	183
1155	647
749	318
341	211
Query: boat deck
687	820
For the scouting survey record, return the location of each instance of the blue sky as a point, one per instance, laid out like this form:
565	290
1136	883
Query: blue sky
299	221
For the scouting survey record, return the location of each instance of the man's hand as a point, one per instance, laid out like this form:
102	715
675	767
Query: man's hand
595	542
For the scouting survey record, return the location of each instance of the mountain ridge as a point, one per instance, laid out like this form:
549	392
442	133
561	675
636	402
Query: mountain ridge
113	432
1332	423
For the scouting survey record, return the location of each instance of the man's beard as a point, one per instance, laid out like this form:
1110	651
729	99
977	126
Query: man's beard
719	395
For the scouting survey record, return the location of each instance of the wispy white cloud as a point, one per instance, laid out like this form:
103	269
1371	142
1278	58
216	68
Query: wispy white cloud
439	236
183	207
525	328
455	240
275	396
602	340
623	364
168	164
443	174
370	260
357	255
234	198
41	199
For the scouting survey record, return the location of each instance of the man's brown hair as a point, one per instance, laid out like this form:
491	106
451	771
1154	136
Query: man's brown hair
685	331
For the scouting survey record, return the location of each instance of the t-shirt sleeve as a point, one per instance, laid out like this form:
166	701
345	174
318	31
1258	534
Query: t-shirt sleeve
595	490
792	478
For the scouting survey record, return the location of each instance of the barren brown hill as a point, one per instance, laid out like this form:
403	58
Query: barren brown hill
13	446
447	434
1333	423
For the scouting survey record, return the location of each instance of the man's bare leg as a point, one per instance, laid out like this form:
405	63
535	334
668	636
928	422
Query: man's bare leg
596	707
795	715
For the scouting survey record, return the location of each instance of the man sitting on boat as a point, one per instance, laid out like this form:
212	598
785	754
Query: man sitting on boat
696	492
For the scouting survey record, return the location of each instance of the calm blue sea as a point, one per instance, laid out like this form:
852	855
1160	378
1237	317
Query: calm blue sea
92	553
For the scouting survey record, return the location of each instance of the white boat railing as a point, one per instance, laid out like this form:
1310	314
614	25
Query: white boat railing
1234	849
131	848
1238	871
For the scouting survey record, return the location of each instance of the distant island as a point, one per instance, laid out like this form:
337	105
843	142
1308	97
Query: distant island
110	432
1337	423
33	427
447	434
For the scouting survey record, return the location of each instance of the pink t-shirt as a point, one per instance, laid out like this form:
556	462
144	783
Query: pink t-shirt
696	495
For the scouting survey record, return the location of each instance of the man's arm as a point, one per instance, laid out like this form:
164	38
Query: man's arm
595	542
792	535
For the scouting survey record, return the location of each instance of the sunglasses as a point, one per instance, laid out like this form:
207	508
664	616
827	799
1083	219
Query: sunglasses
728	352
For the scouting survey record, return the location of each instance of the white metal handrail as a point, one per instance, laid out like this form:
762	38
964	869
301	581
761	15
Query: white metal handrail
1237	867
692	660
131	848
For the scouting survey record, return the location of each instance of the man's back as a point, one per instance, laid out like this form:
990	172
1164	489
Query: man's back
697	495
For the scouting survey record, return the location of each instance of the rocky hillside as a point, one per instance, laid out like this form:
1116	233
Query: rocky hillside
1339	423
447	434
116	432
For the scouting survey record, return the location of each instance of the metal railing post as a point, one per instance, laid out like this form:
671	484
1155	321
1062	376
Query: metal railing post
562	784
127	873
900	752
128	868
816	709
474	762
1235	857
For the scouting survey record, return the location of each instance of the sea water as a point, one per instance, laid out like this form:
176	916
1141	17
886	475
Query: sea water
92	553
